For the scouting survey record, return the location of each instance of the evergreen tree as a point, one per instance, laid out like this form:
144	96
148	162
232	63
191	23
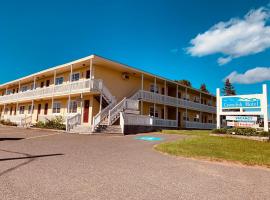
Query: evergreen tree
184	82
203	88
228	89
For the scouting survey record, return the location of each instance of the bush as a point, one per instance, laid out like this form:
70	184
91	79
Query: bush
241	131
55	123
7	123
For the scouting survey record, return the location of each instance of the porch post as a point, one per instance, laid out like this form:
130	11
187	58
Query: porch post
177	105
70	80
165	94
91	68
200	120
155	86
54	81
142	88
17	106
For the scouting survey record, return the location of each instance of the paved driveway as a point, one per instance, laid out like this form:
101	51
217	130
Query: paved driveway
50	165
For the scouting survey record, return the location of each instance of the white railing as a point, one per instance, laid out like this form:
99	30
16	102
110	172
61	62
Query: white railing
199	125
26	121
98	118
143	120
125	104
21	120
66	88
172	101
73	121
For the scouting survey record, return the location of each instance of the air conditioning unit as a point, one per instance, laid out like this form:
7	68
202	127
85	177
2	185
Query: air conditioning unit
125	76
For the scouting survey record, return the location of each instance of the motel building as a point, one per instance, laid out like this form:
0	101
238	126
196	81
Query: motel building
94	94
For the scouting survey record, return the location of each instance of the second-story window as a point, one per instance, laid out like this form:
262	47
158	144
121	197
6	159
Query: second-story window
8	92
59	80
24	88
75	77
154	88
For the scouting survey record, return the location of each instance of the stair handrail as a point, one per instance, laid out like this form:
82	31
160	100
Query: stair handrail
25	121
73	121
116	110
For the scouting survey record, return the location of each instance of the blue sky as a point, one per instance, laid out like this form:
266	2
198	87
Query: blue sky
151	35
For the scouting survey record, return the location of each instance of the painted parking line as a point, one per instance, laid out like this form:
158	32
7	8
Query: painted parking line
149	138
40	136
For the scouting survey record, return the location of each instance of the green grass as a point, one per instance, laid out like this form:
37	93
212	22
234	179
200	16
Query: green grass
202	145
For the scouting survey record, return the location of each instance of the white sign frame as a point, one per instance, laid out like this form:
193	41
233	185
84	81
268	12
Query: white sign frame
263	107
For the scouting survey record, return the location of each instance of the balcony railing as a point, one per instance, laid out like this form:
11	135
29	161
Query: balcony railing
172	101
63	89
199	125
143	120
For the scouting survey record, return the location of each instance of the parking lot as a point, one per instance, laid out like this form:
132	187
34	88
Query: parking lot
37	164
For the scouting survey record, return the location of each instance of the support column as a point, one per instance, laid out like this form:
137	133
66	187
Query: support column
91	68
200	120
218	107
70	81
54	82
17	106
165	93
142	88
155	86
177	105
265	108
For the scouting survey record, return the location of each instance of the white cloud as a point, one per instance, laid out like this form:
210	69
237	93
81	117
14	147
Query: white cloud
256	75
234	38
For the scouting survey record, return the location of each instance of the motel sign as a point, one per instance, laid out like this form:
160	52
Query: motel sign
242	110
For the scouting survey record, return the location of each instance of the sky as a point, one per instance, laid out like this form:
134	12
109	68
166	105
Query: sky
202	41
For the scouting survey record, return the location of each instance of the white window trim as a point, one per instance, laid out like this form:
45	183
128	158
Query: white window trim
56	113
75	74
58	77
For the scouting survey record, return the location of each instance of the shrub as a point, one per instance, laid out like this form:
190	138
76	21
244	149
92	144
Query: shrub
241	131
7	123
55	123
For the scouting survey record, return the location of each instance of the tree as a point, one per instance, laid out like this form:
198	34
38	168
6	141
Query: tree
184	82
203	88
228	89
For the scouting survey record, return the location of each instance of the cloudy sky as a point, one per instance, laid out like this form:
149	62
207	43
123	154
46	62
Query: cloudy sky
202	41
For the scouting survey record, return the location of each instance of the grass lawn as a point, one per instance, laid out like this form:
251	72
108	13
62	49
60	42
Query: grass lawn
202	145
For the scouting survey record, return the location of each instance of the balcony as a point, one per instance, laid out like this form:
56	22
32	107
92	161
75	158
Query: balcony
172	101
57	90
198	125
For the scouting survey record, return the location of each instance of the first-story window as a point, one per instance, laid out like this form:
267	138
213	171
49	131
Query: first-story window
185	117
21	111
153	112
73	106
30	109
197	118
59	80
75	77
56	107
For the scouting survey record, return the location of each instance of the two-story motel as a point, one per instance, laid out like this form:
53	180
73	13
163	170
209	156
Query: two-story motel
97	94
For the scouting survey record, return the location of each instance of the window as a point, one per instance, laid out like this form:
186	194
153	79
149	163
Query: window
73	106
30	108
153	88
197	118
187	97
87	74
75	77
21	111
6	111
185	117
152	113
56	107
59	80
46	108
47	83
24	88
197	99
8	92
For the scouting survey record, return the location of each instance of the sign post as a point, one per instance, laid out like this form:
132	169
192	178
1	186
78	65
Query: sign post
242	109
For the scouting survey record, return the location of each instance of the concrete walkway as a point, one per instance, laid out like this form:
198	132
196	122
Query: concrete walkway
61	166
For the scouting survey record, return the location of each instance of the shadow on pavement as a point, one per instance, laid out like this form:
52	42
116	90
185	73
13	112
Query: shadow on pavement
4	139
29	158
